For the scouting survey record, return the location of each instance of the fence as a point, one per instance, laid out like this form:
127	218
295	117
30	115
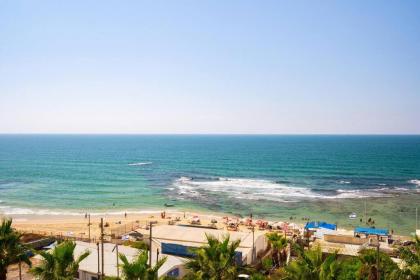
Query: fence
117	232
345	239
60	236
112	233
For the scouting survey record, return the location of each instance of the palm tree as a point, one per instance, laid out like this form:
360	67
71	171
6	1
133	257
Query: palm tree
310	264
330	268
22	256
278	245
368	268
214	261
60	264
10	248
411	260
139	269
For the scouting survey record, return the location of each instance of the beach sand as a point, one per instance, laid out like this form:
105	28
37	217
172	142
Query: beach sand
77	226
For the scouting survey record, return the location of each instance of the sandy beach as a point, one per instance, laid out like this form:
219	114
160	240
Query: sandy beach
77	226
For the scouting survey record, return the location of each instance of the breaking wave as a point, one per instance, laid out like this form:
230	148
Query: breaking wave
415	182
258	189
9	210
344	182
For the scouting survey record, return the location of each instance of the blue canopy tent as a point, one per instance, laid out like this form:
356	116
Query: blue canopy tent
371	231
317	225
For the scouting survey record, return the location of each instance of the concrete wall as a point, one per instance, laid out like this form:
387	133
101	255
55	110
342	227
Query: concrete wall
345	239
260	246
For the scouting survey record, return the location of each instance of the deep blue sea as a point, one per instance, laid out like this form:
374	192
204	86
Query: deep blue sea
270	176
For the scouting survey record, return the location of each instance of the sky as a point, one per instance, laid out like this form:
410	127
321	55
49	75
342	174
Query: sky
229	67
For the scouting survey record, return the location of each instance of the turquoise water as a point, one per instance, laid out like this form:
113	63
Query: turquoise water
270	176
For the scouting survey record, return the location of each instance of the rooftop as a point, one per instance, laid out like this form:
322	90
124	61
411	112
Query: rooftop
90	264
196	236
372	231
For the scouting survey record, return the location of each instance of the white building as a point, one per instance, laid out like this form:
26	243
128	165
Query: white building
177	239
88	269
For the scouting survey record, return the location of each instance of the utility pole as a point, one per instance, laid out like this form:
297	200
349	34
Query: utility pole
99	269
365	213
118	264
20	270
377	261
102	248
253	244
89	226
150	246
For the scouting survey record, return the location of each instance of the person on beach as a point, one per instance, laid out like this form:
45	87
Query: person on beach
125	215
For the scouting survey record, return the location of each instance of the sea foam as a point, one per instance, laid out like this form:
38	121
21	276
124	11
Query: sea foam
344	182
9	210
415	182
259	189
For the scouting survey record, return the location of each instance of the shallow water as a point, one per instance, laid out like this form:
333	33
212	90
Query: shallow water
320	177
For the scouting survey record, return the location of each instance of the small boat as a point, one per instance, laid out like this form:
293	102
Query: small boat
169	205
352	216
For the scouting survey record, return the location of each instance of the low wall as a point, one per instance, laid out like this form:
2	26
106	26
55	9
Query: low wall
38	244
345	239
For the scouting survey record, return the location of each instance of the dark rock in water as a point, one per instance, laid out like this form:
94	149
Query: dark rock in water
327	192
403	209
282	182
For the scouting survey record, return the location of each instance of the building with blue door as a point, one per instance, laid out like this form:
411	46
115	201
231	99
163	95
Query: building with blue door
179	240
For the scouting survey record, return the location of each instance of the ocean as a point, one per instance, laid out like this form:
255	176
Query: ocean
281	177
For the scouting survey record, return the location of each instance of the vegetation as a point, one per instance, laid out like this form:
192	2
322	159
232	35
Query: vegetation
60	263
368	267
310	264
349	268
141	245
214	261
217	261
11	249
411	260
139	269
278	245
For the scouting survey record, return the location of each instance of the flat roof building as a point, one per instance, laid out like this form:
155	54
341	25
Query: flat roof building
88	268
186	237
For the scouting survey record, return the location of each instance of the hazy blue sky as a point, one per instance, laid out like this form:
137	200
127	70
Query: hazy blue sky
210	66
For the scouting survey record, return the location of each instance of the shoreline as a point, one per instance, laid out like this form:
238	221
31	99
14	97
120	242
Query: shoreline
398	220
50	219
77	226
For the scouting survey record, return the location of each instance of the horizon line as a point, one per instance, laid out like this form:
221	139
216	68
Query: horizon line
207	134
